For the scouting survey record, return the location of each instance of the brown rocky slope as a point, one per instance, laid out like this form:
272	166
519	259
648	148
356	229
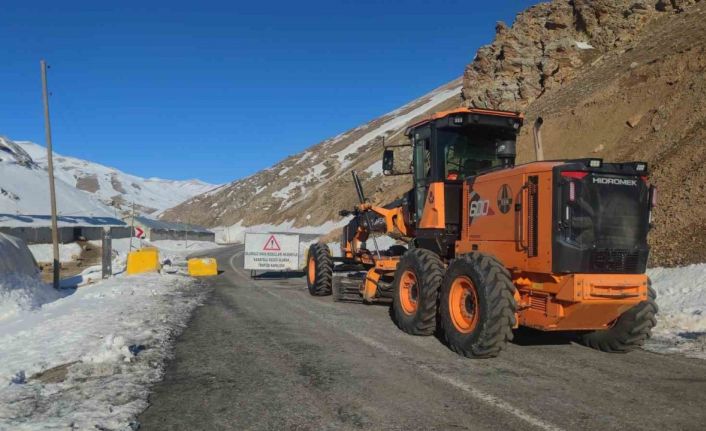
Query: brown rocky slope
645	102
622	80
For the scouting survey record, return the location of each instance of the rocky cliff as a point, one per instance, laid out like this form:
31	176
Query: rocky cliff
550	42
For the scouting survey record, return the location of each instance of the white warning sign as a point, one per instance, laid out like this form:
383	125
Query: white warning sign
271	251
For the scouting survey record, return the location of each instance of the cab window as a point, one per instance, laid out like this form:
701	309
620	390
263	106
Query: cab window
467	152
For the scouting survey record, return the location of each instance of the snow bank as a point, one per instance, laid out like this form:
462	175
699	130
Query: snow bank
177	251
99	349
681	322
45	252
20	285
182	246
89	275
15	257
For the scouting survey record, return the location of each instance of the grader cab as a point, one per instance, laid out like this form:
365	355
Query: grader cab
551	245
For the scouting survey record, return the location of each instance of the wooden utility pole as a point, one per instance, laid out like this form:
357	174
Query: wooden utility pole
50	170
107	253
132	224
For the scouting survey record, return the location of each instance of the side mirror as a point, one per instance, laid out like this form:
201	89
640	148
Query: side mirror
506	150
388	162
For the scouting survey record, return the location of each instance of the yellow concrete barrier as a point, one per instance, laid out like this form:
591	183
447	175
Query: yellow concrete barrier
202	266
143	260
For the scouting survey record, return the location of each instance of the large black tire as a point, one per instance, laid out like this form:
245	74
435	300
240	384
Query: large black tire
630	331
319	270
477	306
416	290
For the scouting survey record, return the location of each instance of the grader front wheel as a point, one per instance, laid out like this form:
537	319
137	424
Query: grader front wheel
477	306
319	270
416	289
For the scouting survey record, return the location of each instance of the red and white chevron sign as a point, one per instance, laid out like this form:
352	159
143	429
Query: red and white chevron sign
140	233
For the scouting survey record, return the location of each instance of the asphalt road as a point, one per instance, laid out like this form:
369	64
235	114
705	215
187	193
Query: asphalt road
264	354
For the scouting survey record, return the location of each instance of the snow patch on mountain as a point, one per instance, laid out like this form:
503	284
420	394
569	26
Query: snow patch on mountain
397	121
375	169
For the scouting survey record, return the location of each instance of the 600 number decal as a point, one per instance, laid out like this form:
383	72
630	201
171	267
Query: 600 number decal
479	208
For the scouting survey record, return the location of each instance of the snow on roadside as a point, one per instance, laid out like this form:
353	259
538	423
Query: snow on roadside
44	252
21	288
176	251
182	246
681	321
100	348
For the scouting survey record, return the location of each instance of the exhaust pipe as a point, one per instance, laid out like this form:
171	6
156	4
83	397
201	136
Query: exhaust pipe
538	151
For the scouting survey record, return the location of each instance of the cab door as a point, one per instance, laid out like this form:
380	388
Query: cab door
422	168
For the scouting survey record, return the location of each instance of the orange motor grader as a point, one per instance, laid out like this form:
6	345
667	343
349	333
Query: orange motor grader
551	245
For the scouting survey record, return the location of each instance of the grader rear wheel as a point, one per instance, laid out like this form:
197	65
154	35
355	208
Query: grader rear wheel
416	289
319	270
630	331
477	306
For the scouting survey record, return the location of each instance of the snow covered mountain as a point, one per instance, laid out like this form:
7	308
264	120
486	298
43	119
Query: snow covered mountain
83	187
24	188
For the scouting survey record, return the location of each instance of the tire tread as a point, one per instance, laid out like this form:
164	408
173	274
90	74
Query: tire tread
499	293
632	329
430	273
323	263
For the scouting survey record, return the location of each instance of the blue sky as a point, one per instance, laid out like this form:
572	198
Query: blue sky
218	90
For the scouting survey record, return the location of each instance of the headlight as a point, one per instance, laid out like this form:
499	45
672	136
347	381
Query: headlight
595	163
